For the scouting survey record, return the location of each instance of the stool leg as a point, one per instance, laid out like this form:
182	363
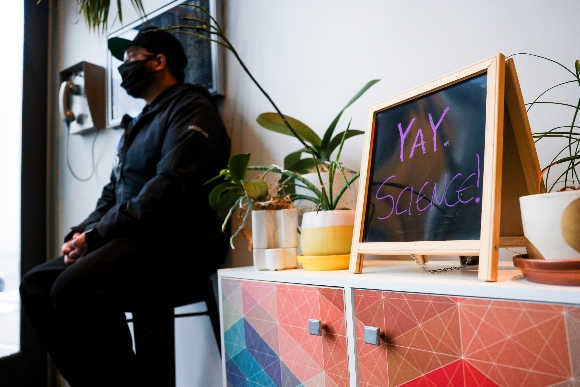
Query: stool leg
154	329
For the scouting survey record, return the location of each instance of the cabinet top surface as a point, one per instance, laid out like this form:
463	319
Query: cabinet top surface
404	276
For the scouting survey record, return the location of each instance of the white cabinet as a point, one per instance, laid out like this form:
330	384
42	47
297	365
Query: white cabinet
447	329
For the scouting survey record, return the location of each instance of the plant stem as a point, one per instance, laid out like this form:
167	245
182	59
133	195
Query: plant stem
323	198
289	173
344	188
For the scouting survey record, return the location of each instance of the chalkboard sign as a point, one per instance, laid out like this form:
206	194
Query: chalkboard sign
202	56
428	156
431	172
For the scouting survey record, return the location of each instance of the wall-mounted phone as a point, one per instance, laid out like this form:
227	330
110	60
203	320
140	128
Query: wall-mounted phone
82	97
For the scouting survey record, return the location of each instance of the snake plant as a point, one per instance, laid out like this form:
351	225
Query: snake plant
569	153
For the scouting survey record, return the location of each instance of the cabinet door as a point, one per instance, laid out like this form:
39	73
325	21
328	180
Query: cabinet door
267	340
429	340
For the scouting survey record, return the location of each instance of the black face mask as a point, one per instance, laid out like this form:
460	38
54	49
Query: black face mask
136	78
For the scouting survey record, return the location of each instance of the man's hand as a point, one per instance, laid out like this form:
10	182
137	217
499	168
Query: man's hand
75	248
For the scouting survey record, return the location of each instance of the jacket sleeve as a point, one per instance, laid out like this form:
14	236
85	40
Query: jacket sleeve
104	204
191	152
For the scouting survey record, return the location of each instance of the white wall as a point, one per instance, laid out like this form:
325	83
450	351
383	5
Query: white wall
313	56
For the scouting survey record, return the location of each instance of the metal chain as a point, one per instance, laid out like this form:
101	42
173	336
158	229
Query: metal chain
443	269
512	251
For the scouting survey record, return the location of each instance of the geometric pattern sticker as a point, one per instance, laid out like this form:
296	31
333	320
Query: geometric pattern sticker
459	373
431	340
573	330
269	344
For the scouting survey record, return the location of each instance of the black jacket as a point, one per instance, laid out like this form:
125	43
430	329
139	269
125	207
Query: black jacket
166	154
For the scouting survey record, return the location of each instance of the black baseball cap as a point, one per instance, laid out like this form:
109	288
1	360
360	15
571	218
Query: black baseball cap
155	40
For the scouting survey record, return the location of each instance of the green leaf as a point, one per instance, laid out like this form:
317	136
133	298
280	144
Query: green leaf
312	199
346	186
217	191
338	138
221	175
256	189
330	130
238	166
227	201
273	122
305	165
96	12
293	158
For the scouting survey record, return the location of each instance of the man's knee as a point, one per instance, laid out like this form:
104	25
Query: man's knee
38	281
66	291
31	286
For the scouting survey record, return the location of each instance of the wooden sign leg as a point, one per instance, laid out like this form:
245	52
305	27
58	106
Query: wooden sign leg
422	259
488	263
356	265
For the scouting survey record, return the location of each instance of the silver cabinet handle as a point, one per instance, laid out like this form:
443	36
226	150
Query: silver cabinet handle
314	327
372	335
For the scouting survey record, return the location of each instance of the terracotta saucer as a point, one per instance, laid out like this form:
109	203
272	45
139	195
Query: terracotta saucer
552	272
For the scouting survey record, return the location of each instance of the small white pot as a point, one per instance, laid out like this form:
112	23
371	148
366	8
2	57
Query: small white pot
551	224
272	229
275	239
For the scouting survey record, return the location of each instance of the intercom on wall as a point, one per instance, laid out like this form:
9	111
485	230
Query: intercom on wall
82	97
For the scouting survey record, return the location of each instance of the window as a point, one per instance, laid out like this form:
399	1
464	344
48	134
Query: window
12	25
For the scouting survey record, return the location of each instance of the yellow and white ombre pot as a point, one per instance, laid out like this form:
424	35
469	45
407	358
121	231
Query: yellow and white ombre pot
326	239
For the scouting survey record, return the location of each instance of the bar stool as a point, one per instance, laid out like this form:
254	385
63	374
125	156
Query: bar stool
154	329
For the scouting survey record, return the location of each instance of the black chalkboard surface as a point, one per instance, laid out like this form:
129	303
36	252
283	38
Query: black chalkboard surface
425	181
443	166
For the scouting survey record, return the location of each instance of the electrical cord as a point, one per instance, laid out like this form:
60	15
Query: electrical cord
66	155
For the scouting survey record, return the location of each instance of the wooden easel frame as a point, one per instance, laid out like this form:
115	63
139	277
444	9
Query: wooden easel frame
500	225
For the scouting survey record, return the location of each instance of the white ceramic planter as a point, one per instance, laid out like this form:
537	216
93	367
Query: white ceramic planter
275	239
551	224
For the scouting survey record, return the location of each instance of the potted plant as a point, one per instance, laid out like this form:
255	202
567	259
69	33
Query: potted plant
323	194
321	148
274	218
274	238
305	163
551	218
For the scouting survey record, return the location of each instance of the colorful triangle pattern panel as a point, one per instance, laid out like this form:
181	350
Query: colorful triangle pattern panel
254	374
265	325
255	292
458	373
235	377
267	342
573	330
263	354
232	299
230	314
443	341
372	363
255	364
516	343
235	339
420	332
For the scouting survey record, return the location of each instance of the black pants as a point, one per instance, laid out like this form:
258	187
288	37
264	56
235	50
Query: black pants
78	310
